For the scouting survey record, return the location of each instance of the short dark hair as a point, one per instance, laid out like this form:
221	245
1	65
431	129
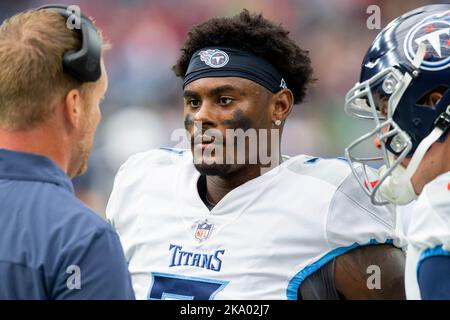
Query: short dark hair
255	34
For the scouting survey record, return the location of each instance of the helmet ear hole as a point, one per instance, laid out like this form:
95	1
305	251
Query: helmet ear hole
432	97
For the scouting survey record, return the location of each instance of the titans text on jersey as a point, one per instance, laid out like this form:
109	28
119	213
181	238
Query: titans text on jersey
179	257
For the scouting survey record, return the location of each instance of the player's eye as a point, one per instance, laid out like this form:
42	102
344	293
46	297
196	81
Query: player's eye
193	103
224	101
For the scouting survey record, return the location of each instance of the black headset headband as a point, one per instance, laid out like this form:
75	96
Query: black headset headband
84	64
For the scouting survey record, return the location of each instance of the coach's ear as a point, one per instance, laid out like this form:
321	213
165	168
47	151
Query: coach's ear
73	108
282	104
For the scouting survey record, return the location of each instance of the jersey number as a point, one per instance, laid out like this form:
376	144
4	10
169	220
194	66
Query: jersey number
168	286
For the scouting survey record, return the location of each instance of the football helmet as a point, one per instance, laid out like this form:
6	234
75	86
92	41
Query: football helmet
408	60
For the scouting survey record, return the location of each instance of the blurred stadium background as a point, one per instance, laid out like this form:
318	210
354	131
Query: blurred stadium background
143	105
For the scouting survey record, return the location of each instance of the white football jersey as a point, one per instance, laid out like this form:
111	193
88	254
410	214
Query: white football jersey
259	242
429	230
404	214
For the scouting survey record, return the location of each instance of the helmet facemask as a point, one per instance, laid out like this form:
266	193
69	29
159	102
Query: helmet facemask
363	102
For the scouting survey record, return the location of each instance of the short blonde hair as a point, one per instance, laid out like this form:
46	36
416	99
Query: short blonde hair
32	79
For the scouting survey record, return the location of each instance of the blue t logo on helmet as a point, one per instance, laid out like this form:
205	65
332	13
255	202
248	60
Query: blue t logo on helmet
434	32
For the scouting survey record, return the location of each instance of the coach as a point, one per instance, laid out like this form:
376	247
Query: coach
52	79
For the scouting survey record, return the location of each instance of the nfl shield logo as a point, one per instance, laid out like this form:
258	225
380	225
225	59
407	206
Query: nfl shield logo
203	231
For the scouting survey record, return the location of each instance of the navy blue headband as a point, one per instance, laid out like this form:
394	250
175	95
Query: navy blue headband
230	62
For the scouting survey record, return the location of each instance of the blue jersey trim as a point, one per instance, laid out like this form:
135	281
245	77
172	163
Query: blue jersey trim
428	253
312	160
342	159
297	280
177	151
171	296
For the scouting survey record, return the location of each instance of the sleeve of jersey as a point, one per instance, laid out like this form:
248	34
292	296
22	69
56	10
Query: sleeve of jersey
119	212
430	223
125	190
130	186
117	198
433	278
354	221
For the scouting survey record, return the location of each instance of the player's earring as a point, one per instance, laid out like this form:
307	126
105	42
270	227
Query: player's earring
277	122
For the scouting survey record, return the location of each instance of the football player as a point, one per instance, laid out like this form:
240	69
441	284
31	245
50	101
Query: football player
219	221
404	88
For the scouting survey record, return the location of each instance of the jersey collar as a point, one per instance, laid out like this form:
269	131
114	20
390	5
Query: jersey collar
16	165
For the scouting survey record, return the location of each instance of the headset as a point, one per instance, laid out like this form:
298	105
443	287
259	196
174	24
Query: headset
84	64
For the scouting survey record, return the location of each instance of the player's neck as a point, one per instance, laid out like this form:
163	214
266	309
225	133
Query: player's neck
218	186
447	155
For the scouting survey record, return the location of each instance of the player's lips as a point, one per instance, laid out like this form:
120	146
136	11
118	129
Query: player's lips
204	141
207	139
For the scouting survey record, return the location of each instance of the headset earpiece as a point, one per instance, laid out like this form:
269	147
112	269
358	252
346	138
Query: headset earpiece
84	64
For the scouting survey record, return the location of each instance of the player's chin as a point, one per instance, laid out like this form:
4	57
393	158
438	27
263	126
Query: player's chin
213	169
209	162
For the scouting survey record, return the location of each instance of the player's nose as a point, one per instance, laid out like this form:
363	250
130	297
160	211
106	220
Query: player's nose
205	113
376	142
376	139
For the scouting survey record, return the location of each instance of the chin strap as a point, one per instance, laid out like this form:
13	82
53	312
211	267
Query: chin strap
396	188
421	150
420	55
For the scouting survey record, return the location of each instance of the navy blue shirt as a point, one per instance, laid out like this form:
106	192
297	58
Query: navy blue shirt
51	245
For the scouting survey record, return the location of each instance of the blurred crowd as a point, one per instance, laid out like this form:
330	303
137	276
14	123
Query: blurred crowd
143	105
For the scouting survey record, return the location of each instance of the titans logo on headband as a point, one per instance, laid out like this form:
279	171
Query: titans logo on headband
214	58
434	32
210	62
